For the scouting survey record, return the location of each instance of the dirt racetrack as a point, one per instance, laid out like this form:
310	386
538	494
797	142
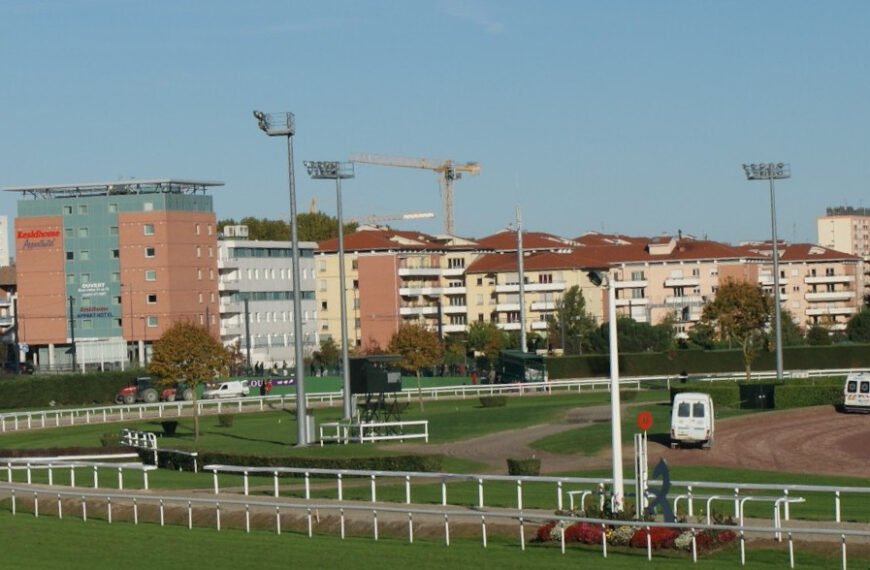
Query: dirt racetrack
806	440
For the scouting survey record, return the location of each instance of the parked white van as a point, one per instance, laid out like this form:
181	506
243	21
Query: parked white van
692	419
231	389
856	392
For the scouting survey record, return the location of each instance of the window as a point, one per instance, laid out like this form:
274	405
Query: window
545	278
456	263
698	410
211	274
151	275
199	274
83	209
480	280
321	266
83	232
197	229
684	410
696	272
70	278
116	254
148	206
148	229
152	321
150	252
68	233
479	299
113	208
115	277
323	284
86	277
113	230
151	299
208	229
87	324
67	209
84	255
199	297
637	276
198	251
70	256
210	251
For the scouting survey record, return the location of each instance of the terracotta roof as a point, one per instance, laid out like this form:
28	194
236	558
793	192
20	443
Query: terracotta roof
789	252
381	239
595	238
506	240
578	258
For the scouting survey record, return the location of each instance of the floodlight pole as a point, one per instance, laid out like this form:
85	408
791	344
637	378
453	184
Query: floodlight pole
773	171
615	409
338	170
274	125
522	280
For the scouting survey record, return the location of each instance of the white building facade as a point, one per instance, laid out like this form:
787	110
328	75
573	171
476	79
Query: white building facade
256	298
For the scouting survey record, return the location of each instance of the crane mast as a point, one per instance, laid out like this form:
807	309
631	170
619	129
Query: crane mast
447	170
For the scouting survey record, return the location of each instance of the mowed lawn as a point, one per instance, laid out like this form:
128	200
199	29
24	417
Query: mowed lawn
70	544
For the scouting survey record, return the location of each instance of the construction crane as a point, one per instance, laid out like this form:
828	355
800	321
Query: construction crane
377	219
447	170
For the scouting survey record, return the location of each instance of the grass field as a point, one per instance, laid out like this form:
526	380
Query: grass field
69	544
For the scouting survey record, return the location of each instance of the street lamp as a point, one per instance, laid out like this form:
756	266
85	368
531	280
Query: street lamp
604	279
772	171
522	281
284	125
333	170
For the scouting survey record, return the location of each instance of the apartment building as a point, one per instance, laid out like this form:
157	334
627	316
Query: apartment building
256	293
847	229
818	285
103	269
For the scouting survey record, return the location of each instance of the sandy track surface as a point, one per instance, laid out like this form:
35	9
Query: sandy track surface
807	440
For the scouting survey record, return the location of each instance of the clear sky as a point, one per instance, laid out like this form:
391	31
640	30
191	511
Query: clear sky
619	116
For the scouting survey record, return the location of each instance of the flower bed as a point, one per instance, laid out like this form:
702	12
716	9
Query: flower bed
635	537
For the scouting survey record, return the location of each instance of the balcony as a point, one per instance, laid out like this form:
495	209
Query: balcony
831	296
507	307
831	311
224	285
508	326
230	306
683	301
409	310
812	280
544	306
515	287
6	321
421	271
767	281
637	302
454	328
417	291
454	309
453	272
539	325
454	290
631	284
683	282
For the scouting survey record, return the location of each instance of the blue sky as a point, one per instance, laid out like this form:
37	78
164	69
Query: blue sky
620	116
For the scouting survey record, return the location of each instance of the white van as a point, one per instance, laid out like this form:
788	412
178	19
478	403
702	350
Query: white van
856	392
231	389
692	419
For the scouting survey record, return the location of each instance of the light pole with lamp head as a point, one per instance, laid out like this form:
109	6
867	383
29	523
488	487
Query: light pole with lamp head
602	278
284	125
333	170
773	171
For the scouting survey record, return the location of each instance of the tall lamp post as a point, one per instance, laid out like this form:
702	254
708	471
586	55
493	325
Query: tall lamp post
773	171
522	281
284	125
604	279
333	170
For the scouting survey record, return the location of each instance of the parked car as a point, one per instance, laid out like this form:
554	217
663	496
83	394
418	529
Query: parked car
692	419
230	389
856	392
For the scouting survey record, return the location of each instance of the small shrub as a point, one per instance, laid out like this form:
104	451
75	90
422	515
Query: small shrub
109	439
493	401
585	533
660	537
545	531
621	535
169	427
524	466
225	420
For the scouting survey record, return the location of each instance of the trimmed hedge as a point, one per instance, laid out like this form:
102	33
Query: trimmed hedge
493	401
703	362
801	396
795	393
178	461
38	391
518	467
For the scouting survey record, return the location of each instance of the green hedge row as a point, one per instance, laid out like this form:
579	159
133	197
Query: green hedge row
178	461
707	362
802	396
794	394
39	391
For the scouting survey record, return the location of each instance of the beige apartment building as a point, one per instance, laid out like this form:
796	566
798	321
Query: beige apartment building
847	229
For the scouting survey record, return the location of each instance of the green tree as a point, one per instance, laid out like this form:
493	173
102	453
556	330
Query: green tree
703	335
187	352
487	338
419	348
632	336
579	325
817	335
454	349
791	332
311	226
740	312
328	355
858	327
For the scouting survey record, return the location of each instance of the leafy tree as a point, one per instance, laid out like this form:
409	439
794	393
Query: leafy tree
632	336
419	348
791	332
188	352
487	338
328	355
817	335
454	349
703	335
858	327
315	226
740	312
579	325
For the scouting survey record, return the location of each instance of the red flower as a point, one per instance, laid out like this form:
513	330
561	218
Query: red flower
660	537
584	532
543	534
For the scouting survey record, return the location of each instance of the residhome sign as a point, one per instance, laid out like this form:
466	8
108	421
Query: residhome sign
37	239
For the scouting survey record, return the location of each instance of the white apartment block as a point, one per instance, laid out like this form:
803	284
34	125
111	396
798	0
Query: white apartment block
256	280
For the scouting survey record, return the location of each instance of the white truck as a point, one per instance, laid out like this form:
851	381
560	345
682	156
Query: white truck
856	392
229	389
692	420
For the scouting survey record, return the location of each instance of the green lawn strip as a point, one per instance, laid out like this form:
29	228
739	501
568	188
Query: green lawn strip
51	543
